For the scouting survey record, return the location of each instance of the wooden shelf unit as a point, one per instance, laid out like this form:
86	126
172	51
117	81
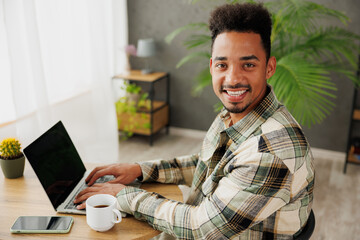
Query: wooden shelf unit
160	119
355	116
351	157
158	116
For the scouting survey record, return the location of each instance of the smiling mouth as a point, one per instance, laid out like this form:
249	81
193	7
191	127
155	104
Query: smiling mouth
235	93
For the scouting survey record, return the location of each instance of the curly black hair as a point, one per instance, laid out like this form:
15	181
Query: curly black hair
246	17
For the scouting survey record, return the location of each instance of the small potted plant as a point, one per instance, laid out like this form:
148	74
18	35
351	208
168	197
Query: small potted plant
129	119
12	160
133	92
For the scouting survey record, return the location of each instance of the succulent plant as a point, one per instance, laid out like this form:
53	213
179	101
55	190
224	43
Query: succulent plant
10	148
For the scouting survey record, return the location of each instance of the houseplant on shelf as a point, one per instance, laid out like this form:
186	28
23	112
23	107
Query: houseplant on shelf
133	92
129	118
12	160
306	49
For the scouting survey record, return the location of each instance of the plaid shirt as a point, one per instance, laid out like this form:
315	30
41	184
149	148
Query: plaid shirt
252	180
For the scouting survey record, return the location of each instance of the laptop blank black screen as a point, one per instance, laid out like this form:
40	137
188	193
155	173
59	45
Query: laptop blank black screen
56	162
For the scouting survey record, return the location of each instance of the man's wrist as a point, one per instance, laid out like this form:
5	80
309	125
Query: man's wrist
138	172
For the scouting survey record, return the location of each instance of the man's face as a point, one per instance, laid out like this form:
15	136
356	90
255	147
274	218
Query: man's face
239	71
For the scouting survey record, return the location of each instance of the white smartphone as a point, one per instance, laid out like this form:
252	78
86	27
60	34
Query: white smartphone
42	224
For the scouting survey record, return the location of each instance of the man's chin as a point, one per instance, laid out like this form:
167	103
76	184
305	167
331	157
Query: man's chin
234	108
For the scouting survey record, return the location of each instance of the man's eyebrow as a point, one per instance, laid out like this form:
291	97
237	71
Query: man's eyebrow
220	58
251	57
244	58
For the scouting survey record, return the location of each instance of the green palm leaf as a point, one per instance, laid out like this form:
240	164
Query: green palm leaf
306	52
191	26
300	17
198	40
195	56
332	43
202	81
304	88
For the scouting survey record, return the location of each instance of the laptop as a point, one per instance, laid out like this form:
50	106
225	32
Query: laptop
59	168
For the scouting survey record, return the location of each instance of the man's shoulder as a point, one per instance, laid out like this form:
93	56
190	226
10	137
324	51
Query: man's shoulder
282	136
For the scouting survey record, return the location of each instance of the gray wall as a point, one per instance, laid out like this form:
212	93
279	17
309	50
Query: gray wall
157	18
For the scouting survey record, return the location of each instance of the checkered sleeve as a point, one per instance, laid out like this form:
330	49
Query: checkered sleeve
179	170
253	187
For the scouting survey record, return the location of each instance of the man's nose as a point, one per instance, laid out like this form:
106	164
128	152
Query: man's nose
234	75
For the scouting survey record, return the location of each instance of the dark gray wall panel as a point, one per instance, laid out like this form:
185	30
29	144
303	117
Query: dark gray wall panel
157	18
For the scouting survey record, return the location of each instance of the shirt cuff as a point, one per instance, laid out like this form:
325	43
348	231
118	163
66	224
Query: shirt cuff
125	198
148	172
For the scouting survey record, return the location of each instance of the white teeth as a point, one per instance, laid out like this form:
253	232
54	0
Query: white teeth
236	93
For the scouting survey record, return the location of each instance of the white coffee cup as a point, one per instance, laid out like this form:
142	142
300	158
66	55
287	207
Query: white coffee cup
101	212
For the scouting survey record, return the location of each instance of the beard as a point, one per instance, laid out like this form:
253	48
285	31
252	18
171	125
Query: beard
235	109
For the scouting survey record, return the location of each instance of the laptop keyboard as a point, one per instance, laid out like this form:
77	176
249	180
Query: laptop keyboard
102	179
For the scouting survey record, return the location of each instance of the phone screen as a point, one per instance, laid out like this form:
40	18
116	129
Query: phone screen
55	224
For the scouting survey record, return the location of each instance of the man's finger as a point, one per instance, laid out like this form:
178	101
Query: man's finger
99	174
85	196
93	172
81	206
79	198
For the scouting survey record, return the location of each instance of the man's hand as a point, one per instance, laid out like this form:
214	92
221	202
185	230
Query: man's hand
98	188
124	173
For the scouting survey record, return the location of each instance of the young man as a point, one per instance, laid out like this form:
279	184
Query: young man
254	176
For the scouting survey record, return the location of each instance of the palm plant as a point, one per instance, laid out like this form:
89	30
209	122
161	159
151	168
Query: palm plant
306	52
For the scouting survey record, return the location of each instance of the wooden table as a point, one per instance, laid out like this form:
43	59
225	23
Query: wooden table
25	197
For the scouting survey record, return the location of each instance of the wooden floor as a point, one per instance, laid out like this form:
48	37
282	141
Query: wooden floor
336	197
336	200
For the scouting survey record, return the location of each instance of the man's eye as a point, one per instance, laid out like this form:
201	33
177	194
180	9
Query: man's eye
220	65
249	65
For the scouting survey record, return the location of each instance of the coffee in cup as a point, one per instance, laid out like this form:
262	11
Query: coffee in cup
101	212
101	206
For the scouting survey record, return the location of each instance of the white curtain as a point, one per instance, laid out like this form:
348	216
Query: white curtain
57	58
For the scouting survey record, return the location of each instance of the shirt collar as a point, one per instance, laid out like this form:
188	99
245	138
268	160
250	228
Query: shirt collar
241	130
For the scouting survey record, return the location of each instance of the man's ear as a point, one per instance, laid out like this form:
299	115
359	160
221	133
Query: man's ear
210	64
271	67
